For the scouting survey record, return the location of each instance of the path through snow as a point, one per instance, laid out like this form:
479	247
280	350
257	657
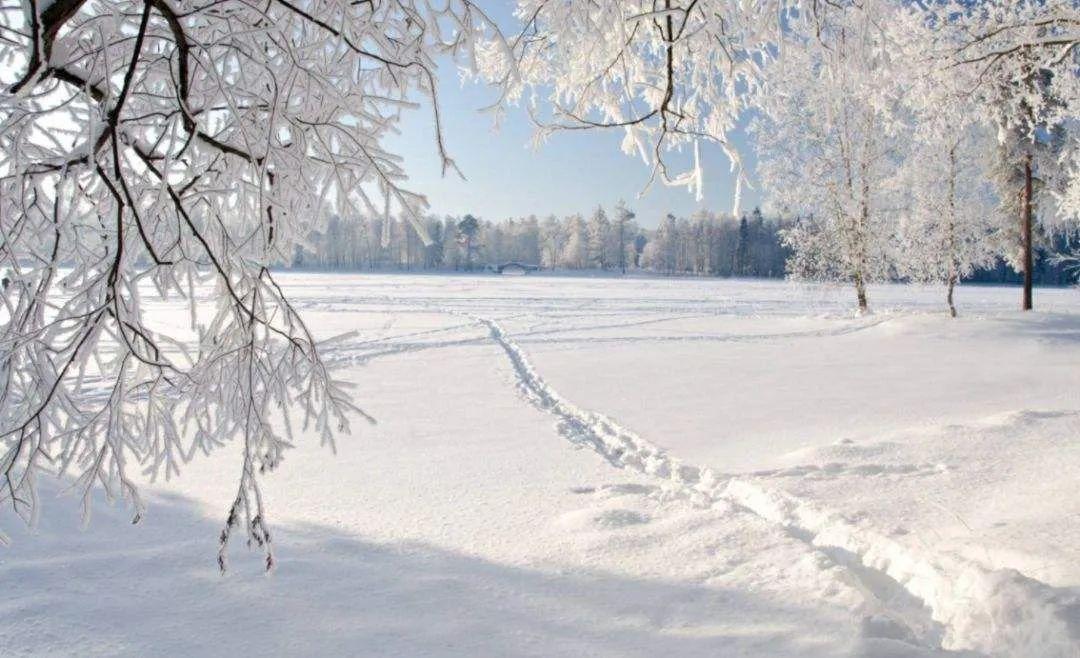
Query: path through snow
937	600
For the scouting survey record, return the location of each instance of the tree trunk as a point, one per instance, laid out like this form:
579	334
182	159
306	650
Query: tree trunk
1026	234
860	293
862	236
949	294
953	275
863	230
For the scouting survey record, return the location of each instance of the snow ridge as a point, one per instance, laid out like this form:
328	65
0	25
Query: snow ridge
995	612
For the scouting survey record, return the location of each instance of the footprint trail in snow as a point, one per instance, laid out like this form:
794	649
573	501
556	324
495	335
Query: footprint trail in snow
935	601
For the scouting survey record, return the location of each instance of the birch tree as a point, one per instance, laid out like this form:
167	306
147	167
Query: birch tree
949	224
947	228
826	144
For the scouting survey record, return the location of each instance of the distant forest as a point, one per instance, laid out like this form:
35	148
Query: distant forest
706	244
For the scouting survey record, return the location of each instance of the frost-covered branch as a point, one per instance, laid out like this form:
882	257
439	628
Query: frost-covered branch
176	150
670	74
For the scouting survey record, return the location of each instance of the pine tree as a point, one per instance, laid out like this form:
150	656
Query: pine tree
468	229
742	249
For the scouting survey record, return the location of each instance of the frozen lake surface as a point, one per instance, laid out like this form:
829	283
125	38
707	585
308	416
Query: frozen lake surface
604	466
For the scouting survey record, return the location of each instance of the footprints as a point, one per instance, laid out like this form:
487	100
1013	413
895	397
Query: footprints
618	445
997	612
848	458
913	596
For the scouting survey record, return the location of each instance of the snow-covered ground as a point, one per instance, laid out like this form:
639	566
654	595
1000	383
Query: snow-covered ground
621	467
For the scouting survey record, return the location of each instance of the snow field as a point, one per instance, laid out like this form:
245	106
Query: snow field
990	611
461	525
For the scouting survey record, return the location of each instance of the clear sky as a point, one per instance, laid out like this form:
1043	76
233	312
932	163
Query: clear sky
571	173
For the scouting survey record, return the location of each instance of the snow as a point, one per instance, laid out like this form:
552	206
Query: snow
591	466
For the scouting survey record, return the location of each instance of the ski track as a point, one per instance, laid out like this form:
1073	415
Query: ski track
351	355
571	306
361	352
944	601
706	338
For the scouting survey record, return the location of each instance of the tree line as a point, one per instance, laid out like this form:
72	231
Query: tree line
704	244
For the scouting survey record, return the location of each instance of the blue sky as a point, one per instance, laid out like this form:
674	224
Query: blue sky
572	172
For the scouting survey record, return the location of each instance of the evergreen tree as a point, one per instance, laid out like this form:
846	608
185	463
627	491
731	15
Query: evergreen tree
742	249
468	229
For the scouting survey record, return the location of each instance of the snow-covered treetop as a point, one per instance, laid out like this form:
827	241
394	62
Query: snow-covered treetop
670	74
1024	54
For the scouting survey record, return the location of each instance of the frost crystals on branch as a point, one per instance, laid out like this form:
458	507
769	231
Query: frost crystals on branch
1023	58
171	148
670	74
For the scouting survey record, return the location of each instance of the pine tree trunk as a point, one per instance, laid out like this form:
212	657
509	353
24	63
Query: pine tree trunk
1026	234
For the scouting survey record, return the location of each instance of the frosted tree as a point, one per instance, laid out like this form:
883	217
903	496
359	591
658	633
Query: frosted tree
528	243
491	239
600	240
661	253
625	229
741	266
451	256
173	148
1013	47
949	224
575	250
552	238
947	228
669	74
826	144
435	249
700	238
1023	56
